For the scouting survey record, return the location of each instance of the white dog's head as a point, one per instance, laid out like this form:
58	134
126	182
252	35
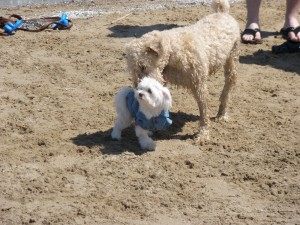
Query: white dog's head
153	97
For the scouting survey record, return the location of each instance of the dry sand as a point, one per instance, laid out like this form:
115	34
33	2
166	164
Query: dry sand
58	165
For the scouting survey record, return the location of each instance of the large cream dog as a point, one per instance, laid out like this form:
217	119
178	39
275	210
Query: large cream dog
186	56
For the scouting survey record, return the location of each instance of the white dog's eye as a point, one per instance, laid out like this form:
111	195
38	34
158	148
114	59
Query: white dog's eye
149	91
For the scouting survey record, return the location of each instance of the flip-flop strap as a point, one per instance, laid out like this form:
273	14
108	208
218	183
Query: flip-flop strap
296	30
251	31
285	32
289	29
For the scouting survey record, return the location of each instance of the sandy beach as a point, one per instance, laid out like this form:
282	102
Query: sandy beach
59	166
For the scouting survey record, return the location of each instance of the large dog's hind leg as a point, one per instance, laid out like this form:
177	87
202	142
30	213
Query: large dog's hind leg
230	73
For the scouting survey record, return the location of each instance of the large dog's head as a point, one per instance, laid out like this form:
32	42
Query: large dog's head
147	56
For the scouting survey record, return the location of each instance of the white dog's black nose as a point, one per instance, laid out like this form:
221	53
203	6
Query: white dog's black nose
141	95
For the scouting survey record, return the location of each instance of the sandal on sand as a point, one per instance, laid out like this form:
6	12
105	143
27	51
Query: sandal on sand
252	32
285	32
286	47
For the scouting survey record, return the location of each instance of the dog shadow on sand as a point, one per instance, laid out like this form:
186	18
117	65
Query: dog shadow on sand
125	31
129	141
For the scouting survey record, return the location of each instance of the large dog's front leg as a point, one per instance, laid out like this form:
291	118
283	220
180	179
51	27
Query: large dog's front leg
201	99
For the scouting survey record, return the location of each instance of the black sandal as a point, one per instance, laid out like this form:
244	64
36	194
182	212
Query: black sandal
285	32
286	47
253	33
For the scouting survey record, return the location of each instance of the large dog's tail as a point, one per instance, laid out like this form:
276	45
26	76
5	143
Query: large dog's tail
222	6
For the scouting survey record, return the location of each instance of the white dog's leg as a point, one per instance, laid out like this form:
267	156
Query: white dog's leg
145	141
121	123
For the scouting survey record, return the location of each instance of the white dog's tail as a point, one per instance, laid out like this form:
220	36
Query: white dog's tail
222	6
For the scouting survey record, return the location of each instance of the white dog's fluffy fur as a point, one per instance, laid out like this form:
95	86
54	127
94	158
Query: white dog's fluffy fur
186	56
153	98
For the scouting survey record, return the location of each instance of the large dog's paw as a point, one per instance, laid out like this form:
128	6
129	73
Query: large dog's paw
147	144
221	117
203	135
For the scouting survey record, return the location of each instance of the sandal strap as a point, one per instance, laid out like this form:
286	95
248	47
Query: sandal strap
296	30
251	31
285	31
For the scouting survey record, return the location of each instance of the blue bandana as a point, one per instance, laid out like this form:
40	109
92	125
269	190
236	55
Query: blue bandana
160	122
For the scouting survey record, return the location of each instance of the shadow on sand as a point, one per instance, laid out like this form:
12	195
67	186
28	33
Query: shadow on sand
129	141
286	62
125	31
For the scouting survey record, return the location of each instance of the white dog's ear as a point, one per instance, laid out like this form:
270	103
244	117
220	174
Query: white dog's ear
167	97
166	94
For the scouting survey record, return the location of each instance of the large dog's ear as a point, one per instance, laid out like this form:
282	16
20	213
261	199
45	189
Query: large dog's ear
154	43
154	48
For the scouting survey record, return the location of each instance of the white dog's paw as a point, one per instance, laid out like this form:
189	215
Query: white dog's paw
116	135
147	144
150	133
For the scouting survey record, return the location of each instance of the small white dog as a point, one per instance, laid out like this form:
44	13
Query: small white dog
146	107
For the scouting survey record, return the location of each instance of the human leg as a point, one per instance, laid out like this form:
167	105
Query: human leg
291	24
253	7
